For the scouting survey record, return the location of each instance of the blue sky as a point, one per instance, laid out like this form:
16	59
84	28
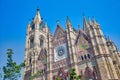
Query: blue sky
15	14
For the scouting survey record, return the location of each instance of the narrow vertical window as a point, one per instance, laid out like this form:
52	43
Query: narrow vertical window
33	26
41	41
82	58
30	61
88	56
31	43
85	56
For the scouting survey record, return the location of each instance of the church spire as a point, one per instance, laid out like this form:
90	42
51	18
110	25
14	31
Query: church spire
38	17
94	21
85	24
68	21
109	39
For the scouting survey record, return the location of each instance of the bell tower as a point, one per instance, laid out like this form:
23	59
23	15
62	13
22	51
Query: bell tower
38	45
102	57
114	55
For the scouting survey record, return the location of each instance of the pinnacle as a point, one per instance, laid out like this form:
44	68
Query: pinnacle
68	20
38	17
90	22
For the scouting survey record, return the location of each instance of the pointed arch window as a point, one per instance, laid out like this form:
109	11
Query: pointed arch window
31	42
85	56
82	58
88	56
33	26
41	41
30	60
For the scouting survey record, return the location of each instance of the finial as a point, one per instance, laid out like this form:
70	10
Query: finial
32	20
85	23
37	8
28	26
68	20
109	39
84	19
37	17
38	12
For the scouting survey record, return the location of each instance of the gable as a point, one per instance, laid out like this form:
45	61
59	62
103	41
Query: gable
61	74
59	32
82	41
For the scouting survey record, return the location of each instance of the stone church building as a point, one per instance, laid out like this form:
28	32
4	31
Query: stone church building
87	50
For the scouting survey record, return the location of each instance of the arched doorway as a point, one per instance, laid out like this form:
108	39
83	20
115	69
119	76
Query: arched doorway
62	75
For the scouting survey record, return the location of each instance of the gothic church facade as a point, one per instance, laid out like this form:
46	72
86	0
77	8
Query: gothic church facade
92	56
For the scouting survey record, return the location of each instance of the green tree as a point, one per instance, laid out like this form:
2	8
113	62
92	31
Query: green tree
57	78
0	74
73	75
39	72
12	69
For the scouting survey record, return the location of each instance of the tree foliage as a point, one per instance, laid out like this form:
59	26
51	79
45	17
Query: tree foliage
39	72
0	74
73	75
57	78
12	69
